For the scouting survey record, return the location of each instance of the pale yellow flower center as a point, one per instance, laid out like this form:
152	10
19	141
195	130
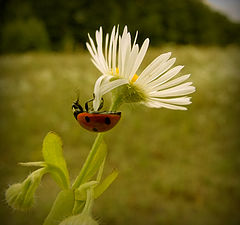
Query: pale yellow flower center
135	77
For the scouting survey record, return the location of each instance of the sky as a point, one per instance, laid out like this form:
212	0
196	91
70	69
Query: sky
231	8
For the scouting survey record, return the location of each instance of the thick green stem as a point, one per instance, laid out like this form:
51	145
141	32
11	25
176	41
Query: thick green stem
90	157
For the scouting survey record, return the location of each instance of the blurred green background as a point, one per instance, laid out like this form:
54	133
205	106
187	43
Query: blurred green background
63	25
175	167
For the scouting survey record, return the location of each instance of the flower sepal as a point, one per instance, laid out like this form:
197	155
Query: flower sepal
20	196
128	93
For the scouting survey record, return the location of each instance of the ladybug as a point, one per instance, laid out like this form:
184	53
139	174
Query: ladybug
94	120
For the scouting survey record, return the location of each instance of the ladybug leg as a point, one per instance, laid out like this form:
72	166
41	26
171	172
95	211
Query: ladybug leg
86	104
101	104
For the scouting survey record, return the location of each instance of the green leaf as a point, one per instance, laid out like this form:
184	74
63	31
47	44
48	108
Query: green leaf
52	154
61	209
78	206
99	189
37	164
81	194
58	175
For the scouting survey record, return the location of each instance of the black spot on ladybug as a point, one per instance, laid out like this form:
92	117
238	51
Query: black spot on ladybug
95	129
87	119
107	120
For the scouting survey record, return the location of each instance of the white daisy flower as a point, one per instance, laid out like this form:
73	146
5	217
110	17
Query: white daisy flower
119	61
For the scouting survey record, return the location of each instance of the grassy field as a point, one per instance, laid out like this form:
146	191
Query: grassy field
176	168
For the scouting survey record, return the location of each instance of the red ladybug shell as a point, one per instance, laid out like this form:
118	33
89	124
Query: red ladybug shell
98	121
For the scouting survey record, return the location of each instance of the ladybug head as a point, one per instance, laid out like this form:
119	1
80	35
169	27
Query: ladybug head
76	108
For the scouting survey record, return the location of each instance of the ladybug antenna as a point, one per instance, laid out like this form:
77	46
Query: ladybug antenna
77	94
77	97
77	101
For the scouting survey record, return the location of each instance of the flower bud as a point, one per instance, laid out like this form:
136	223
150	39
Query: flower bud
20	196
81	219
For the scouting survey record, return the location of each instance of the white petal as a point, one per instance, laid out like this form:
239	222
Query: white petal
97	92
99	66
120	54
126	57
135	39
91	52
124	52
92	44
90	49
97	54
175	101
162	68
171	83
101	58
139	58
112	85
153	65
165	77
179	90
156	104
131	60
95	58
114	55
110	48
103	85
106	48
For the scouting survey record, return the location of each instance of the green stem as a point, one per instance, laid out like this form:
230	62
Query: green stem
90	157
